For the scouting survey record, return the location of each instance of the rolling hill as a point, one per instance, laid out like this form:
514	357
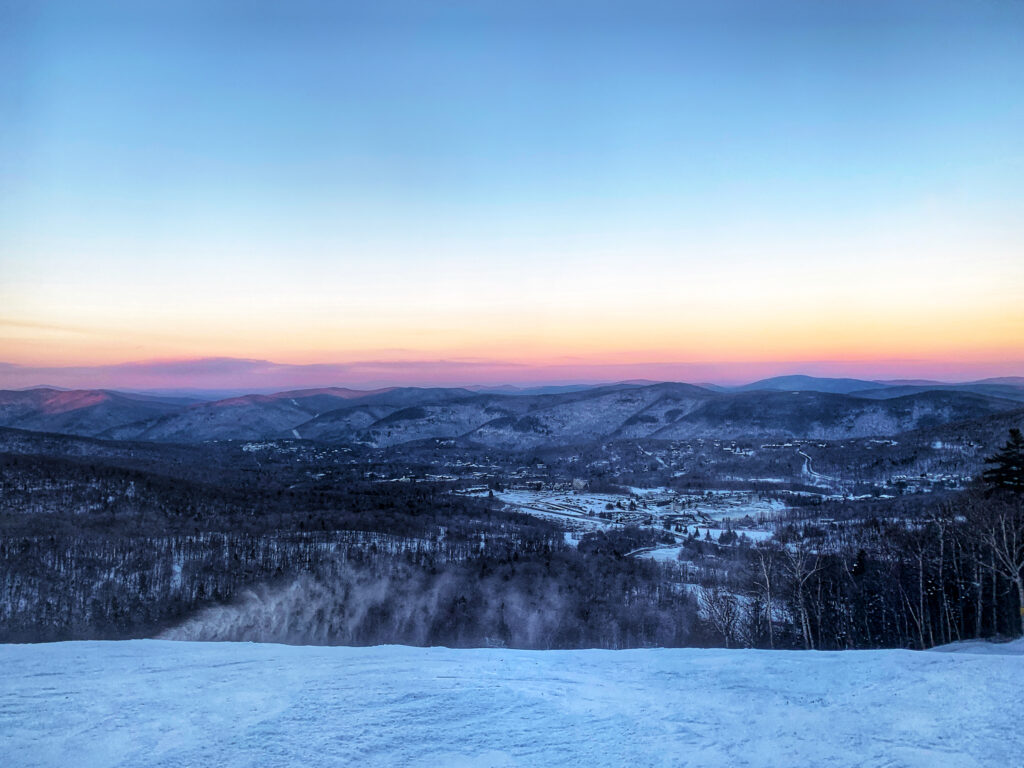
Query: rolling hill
80	412
802	383
387	417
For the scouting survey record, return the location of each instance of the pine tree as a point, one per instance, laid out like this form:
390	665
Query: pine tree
1007	472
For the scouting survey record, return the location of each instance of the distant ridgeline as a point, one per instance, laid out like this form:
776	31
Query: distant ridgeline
800	407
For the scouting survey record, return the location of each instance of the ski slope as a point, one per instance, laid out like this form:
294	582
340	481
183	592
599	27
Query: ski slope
163	703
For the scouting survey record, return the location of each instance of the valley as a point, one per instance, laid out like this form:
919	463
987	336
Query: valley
721	508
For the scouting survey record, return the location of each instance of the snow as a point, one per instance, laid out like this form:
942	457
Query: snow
752	534
162	703
984	647
662	554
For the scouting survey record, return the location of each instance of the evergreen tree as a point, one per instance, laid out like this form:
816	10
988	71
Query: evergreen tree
1007	472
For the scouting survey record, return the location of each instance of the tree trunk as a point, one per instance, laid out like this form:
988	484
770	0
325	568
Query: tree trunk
995	597
1020	601
768	602
920	599
979	588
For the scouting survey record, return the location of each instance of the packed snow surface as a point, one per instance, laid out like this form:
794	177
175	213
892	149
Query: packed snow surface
162	703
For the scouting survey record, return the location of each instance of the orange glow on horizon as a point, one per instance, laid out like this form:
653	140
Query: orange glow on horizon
589	340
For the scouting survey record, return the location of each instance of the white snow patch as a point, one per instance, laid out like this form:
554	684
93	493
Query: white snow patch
984	647
662	554
161	703
752	534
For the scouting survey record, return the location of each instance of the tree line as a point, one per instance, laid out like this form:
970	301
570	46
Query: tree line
948	570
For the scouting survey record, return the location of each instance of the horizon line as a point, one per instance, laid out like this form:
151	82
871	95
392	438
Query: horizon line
247	375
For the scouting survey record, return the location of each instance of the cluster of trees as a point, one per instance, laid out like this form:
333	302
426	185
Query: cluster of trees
42	495
620	542
340	587
93	547
952	570
555	598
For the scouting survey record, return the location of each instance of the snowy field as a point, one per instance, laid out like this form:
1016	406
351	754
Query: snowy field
579	511
161	703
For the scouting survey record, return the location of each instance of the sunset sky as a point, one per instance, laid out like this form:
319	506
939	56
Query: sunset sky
456	192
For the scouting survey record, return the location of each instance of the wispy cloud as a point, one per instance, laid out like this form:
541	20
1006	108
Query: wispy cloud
34	326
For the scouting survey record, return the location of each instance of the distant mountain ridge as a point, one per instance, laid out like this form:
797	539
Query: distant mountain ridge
802	383
1007	387
80	412
782	407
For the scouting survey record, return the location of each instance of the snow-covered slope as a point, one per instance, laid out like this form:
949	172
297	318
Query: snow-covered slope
517	422
1010	648
161	703
80	412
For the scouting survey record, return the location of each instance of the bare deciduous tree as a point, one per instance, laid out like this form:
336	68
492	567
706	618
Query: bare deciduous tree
998	523
722	610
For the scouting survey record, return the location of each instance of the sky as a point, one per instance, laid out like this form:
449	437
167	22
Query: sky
476	192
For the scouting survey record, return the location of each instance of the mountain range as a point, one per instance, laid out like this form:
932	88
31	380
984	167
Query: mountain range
790	406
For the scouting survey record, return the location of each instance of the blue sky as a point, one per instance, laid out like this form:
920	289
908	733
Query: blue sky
413	180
